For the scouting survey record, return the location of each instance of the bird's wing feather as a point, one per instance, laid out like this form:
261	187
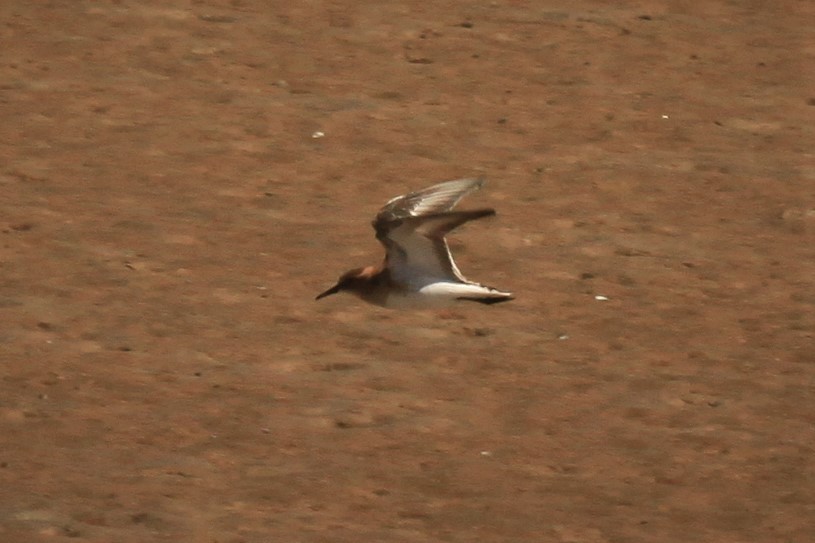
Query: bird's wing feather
416	247
436	199
412	229
413	258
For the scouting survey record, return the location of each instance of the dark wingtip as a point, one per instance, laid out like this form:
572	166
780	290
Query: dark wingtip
473	214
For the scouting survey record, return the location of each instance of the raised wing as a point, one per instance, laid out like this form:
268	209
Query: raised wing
412	229
436	199
417	250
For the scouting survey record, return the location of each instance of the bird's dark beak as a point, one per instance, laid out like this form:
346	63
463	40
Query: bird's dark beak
333	290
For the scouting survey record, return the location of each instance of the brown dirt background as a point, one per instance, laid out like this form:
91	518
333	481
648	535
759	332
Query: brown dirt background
167	216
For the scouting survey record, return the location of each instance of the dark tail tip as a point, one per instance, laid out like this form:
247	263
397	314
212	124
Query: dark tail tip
487	299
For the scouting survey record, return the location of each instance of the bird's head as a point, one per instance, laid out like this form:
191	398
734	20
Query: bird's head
352	280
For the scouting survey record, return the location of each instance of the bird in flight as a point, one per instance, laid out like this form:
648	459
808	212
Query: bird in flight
418	270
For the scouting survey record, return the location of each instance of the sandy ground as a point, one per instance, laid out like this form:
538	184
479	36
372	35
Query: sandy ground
179	179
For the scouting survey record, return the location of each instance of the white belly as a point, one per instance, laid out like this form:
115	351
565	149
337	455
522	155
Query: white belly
437	294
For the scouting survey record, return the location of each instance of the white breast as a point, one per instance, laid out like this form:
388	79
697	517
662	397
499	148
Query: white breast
436	294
